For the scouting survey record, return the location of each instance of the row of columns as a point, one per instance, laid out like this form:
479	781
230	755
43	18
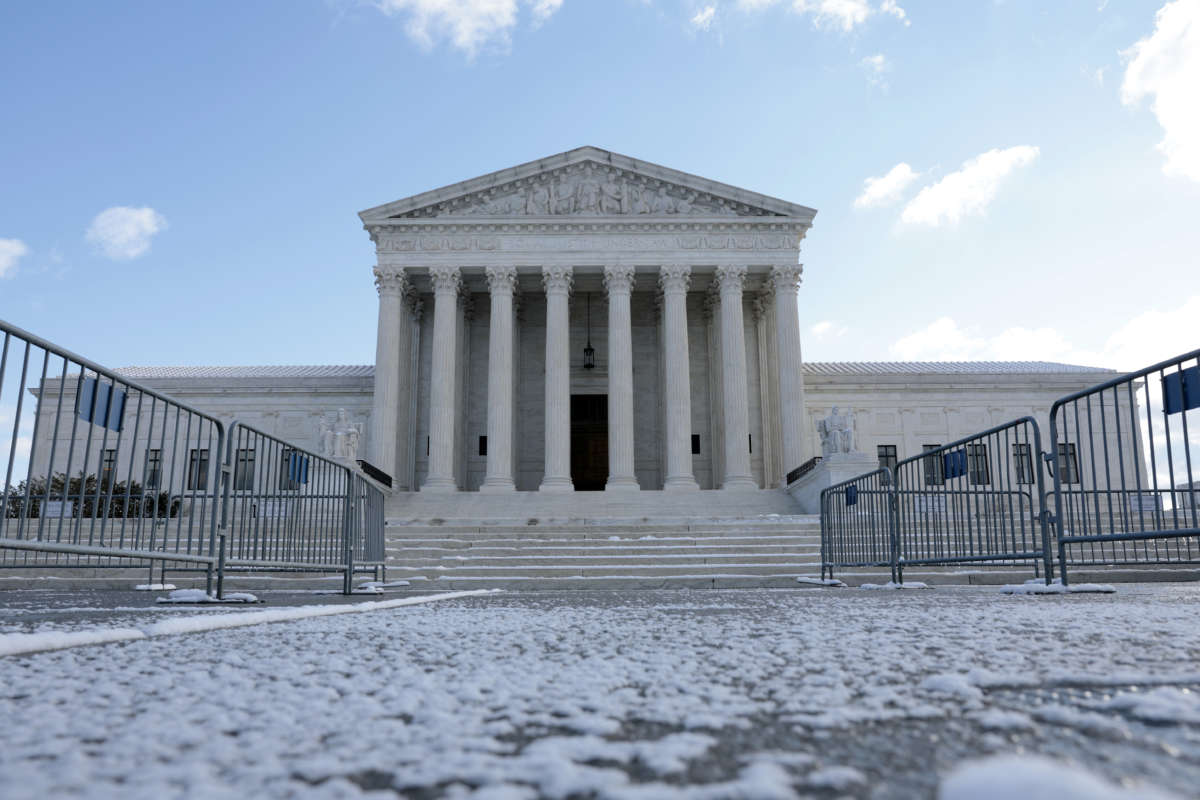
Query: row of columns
673	280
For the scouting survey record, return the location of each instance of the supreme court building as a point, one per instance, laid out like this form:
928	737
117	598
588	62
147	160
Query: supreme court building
594	323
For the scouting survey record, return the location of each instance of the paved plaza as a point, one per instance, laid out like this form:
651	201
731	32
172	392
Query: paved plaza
947	692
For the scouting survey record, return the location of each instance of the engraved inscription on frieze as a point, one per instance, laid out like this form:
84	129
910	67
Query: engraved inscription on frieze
589	189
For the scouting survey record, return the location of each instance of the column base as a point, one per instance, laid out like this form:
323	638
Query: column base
622	484
681	483
497	486
739	483
557	485
439	485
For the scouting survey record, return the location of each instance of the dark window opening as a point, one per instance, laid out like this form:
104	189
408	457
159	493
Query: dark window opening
197	477
108	465
695	444
153	468
887	456
1068	462
978	471
243	470
1023	459
935	473
483	445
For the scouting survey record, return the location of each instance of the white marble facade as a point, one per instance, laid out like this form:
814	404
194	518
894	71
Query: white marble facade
688	290
487	291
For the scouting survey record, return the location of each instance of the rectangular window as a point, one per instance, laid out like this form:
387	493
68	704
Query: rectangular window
1068	462
108	464
977	465
932	465
243	470
750	442
1023	460
483	445
287	483
887	456
153	468
695	444
197	475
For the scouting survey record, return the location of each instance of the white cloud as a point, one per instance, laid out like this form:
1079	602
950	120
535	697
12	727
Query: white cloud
891	7
1098	76
843	15
1166	66
967	191
467	24
122	233
876	67
827	329
704	18
1144	339
886	189
11	251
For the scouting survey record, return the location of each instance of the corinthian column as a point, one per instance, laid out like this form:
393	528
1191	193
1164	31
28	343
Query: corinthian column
733	357
557	477
502	281
785	283
444	380
391	361
618	281
674	280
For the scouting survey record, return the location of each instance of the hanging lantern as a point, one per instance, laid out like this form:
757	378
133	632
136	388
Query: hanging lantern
589	352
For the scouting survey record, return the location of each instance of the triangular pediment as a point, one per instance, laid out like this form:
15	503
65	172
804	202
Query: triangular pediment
587	182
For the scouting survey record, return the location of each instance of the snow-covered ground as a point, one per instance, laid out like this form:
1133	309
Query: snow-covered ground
740	694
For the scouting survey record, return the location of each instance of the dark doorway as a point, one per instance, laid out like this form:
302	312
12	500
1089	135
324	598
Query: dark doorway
589	441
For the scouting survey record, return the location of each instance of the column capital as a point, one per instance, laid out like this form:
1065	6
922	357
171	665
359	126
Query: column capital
785	277
674	278
390	281
730	277
557	279
618	278
445	279
501	279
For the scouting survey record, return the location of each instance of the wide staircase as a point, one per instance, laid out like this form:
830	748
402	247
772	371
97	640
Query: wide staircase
598	541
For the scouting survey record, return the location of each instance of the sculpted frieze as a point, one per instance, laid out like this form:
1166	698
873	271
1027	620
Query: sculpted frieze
588	189
541	242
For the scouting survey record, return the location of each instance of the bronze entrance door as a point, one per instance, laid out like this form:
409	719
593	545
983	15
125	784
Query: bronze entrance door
589	441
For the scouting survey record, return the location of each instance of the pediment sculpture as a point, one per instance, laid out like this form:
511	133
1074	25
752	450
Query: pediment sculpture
589	190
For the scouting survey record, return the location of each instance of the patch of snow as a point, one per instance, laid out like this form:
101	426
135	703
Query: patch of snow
995	719
154	587
894	585
839	779
1164	704
1038	586
1031	777
201	596
20	643
951	683
819	581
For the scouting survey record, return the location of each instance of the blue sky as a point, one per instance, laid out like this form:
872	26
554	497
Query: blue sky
179	181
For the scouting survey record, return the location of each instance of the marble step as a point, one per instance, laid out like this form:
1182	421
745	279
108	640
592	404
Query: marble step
617	562
607	569
595	530
532	539
749	542
597	552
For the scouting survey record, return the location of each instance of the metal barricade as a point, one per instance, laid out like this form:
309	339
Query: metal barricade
100	471
289	509
858	524
1125	463
979	500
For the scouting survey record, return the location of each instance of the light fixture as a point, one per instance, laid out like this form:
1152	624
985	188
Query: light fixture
589	352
